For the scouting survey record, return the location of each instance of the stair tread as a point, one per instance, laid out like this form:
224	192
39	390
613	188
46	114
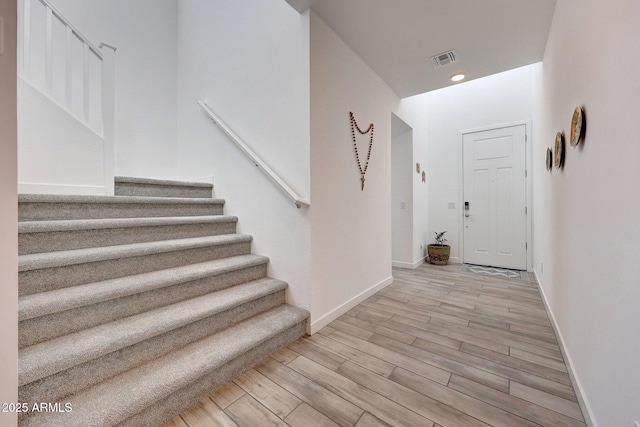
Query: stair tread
60	198
137	180
85	255
122	396
44	303
50	357
106	223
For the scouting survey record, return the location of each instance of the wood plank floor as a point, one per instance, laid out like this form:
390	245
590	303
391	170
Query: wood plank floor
438	347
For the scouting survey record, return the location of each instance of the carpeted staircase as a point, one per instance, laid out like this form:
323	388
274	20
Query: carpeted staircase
133	307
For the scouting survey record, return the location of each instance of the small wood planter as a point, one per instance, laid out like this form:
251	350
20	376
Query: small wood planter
439	254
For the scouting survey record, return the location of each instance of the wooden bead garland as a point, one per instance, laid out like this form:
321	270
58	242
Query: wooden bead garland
354	126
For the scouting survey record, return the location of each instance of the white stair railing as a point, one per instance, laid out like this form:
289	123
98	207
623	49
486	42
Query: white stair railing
58	60
257	161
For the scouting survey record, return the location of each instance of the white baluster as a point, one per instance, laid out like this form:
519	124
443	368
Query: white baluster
86	92
48	65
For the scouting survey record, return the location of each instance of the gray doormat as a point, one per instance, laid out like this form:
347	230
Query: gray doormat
493	271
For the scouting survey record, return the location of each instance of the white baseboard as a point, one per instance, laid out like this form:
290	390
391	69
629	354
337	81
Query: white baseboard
587	412
82	190
323	321
400	264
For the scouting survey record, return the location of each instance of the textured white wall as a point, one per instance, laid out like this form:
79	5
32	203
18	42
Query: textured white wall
350	229
249	61
8	217
144	31
439	117
586	225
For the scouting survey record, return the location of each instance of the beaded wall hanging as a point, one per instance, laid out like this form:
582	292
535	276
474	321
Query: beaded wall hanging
355	126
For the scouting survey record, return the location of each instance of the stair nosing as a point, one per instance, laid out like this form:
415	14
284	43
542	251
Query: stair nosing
58	198
44	260
165	182
47	226
76	348
189	359
56	301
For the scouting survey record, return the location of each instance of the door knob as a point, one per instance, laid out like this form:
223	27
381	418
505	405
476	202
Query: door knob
466	209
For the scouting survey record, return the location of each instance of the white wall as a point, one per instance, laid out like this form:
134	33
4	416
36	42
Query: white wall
57	152
144	31
350	228
402	171
586	225
8	216
249	61
439	116
421	237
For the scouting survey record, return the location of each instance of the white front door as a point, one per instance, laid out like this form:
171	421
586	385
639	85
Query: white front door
494	204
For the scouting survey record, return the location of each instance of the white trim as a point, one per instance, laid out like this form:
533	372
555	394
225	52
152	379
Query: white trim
587	412
528	183
82	190
323	321
412	266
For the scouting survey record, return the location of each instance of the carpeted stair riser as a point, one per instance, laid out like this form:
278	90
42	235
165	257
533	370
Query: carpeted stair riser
70	381
42	304
134	307
48	358
46	208
165	409
47	327
51	236
151	391
46	279
155	188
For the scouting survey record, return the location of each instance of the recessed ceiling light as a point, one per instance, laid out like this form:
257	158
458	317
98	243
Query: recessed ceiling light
457	77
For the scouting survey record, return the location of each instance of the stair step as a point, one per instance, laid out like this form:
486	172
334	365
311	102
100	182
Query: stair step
48	315
148	394
55	270
51	236
130	186
44	207
73	362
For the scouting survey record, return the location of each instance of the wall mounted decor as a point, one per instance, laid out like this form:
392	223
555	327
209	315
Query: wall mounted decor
558	152
417	167
355	126
577	127
424	176
549	159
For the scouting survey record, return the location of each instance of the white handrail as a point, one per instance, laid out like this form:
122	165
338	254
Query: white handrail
298	200
68	24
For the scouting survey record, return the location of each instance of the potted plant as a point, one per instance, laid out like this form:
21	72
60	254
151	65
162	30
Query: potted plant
439	252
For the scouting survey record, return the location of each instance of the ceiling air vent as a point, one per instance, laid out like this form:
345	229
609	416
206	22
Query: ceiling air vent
444	58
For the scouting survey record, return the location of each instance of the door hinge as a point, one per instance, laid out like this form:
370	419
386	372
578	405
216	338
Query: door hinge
525	137
526	245
525	173
526	211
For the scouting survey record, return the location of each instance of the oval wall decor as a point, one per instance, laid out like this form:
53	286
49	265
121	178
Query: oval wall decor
577	127
558	153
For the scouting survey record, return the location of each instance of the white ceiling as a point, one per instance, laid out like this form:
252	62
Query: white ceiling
397	38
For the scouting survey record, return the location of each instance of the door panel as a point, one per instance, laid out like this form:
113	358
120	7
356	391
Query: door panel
494	185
